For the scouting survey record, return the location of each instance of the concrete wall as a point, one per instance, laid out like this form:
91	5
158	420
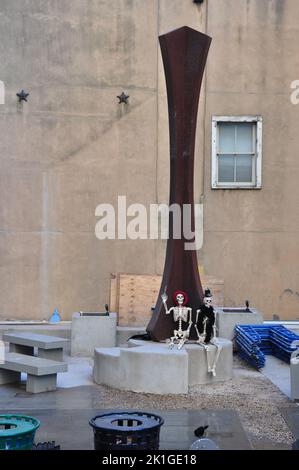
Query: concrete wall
72	147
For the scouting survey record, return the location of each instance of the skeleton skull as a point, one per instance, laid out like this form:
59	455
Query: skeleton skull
208	301
180	299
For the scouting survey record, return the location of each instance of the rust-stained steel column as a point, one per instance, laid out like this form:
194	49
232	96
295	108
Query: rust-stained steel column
184	53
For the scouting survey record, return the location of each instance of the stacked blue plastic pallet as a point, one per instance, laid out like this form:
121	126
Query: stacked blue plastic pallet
256	341
282	339
249	346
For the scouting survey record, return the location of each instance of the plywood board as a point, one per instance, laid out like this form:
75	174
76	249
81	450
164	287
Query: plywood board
133	295
113	303
137	295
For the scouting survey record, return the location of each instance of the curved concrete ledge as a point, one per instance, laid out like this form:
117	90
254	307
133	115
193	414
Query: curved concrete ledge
151	367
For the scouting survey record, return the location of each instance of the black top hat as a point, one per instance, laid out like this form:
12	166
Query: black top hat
208	293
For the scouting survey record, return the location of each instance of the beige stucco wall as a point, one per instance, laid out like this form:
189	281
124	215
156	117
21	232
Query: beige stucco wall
72	147
251	237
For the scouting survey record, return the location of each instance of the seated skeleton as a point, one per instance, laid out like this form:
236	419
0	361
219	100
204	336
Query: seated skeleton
206	331
181	314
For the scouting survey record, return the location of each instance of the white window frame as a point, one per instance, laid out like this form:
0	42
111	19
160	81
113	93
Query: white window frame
257	177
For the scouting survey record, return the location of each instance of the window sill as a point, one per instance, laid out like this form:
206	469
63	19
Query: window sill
236	187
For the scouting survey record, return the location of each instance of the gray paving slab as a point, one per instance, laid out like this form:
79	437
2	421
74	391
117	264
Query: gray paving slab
291	416
71	430
279	373
225	428
15	397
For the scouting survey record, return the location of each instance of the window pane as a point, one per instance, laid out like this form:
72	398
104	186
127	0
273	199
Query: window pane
226	137
226	168
244	137
244	168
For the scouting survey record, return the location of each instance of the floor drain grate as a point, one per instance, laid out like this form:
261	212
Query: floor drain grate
46	446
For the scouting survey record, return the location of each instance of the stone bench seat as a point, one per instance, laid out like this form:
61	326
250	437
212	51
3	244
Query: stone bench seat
41	373
49	347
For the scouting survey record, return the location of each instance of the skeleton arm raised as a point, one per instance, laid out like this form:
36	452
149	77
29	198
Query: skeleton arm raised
164	297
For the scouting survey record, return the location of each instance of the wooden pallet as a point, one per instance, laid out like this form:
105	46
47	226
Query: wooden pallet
133	295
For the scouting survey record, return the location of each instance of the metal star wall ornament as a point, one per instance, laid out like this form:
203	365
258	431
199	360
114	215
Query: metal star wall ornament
22	95
123	98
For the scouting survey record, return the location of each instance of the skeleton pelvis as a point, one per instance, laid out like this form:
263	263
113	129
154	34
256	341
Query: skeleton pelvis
179	333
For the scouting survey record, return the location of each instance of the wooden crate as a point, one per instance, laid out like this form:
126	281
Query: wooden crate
133	295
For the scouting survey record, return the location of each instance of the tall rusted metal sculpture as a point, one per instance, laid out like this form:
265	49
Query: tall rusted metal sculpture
184	53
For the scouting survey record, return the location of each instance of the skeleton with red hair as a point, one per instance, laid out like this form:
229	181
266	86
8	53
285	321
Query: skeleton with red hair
181	314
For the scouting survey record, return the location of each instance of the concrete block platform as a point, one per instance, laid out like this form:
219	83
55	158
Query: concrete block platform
228	317
150	367
90	331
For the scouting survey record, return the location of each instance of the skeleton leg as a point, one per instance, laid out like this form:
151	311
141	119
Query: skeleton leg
171	342
200	337
182	340
218	351
209	354
207	349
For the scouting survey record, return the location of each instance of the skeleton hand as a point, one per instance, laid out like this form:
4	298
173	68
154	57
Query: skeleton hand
164	297
201	338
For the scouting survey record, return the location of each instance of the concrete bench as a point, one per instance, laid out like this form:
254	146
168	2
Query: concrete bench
49	347
41	373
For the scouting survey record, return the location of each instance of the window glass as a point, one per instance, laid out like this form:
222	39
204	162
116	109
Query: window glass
244	137
226	137
226	168
244	168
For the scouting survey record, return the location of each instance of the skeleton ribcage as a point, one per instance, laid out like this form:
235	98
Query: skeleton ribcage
183	314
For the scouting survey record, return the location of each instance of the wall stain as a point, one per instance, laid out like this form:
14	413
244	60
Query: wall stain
289	292
279	7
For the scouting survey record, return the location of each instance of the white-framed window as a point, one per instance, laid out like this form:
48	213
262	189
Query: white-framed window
236	152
